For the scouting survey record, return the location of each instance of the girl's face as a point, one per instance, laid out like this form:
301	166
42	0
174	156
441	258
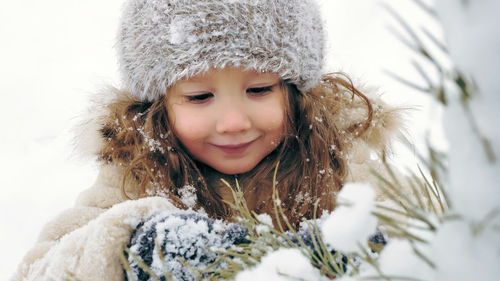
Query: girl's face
229	119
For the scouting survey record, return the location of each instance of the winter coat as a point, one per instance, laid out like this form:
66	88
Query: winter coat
86	242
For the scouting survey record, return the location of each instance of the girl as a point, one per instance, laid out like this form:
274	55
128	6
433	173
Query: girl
212	90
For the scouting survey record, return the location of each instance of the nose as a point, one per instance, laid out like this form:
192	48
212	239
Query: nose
233	119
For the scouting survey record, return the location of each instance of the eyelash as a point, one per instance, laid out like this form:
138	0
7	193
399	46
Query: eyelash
199	98
260	91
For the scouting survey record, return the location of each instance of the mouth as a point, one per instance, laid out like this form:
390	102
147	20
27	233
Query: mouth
234	149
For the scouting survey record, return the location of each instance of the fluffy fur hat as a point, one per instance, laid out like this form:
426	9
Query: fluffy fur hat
163	41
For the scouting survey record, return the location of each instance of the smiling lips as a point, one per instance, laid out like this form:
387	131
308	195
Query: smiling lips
234	149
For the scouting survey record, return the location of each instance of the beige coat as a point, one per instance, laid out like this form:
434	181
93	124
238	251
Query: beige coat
87	240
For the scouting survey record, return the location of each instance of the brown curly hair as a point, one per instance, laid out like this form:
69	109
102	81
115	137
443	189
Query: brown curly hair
138	136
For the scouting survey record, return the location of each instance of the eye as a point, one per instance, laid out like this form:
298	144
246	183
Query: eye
202	98
260	90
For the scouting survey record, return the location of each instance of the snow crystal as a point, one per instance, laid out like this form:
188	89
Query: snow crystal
304	197
266	222
282	265
180	32
152	144
176	34
265	219
188	196
351	223
261	229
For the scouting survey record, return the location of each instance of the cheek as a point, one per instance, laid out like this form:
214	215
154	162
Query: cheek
271	117
275	122
188	126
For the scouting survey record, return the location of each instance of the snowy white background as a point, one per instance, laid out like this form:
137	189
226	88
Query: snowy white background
55	54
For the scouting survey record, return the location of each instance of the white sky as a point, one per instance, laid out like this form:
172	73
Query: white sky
56	53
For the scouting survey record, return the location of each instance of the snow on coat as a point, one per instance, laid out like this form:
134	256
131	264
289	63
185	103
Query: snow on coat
86	241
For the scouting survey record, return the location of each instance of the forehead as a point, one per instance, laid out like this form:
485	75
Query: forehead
234	74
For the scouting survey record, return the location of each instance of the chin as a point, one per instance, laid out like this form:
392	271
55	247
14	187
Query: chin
234	170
